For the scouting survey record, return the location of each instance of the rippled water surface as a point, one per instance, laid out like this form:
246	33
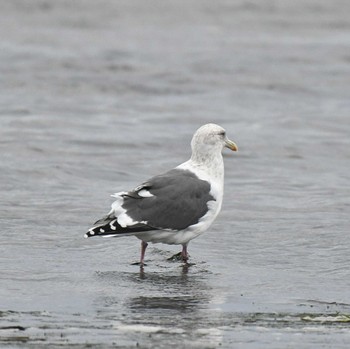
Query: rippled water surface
98	96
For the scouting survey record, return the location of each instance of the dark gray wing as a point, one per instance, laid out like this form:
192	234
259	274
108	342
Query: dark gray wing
179	200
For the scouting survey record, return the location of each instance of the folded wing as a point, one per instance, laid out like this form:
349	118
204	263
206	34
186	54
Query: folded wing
174	201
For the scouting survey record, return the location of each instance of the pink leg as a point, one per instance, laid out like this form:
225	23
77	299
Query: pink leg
144	245
184	253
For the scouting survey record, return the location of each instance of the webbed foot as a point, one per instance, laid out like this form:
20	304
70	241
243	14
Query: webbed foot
176	257
139	263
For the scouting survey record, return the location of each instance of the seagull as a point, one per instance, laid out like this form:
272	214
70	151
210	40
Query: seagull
176	206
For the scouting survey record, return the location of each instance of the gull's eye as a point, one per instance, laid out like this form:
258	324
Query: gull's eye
222	133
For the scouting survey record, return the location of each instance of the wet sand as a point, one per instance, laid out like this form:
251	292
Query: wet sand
99	96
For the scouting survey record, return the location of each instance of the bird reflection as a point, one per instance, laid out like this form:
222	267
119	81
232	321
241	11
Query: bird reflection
185	268
176	290
175	299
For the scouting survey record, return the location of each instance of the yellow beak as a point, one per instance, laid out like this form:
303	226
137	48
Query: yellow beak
231	145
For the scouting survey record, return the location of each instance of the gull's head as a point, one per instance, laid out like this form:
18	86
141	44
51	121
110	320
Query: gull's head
211	137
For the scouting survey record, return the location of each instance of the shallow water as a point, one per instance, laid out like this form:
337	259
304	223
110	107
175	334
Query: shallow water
97	97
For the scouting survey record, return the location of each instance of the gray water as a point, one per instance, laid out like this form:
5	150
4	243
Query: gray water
97	96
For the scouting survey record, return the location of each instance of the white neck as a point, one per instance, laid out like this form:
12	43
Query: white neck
208	167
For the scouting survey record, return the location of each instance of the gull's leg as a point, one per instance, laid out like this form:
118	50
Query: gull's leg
181	256
184	253
144	245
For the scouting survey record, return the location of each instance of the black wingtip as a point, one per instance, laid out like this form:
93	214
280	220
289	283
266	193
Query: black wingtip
93	232
104	230
113	229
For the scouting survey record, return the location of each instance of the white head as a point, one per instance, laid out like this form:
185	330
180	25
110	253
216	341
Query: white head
208	141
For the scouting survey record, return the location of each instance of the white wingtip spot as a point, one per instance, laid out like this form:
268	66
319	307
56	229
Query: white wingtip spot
86	236
145	193
119	194
92	233
113	227
102	230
